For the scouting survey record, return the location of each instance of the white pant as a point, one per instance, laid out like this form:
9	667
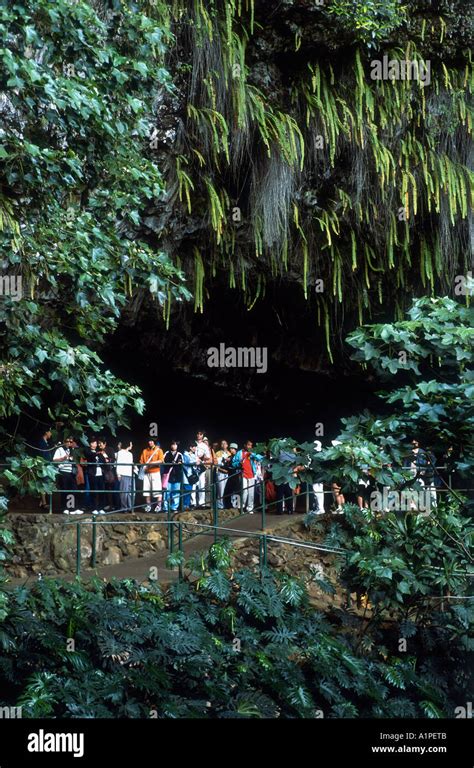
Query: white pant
198	495
221	481
318	496
248	492
152	485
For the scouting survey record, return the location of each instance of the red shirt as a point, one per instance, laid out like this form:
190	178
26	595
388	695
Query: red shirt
247	470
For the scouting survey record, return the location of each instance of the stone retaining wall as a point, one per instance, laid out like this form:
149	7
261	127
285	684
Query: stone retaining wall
307	564
46	544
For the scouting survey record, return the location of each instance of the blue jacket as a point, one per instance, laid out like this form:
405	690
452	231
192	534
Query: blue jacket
189	462
254	458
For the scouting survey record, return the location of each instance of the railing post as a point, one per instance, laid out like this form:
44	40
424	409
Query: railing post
264	511
214	510
307	498
78	550
264	550
50	502
94	543
180	547
348	598
260	551
171	537
241	493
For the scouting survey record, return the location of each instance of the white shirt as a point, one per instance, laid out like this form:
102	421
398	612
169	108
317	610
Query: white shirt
224	457
125	463
62	453
220	461
203	450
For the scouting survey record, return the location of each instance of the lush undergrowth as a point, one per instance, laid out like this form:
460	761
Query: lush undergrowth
230	644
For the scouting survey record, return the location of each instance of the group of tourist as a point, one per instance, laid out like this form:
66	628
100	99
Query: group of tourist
110	479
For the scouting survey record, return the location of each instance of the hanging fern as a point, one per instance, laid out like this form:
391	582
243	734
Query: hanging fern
405	175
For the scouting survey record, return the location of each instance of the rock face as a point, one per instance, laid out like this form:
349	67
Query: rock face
47	544
113	556
309	565
288	37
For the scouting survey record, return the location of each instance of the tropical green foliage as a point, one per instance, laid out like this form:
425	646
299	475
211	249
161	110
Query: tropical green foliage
378	209
225	643
406	563
426	362
78	91
231	645
372	21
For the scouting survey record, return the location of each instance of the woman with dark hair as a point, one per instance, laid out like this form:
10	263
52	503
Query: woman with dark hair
190	476
222	454
231	496
173	472
107	460
95	475
45	451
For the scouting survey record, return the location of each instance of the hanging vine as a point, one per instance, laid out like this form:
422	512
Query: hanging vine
386	161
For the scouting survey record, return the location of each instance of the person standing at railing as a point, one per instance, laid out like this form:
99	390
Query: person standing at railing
210	464
430	477
247	460
45	451
95	475
63	457
232	488
447	472
124	474
190	476
338	498
417	463
108	471
316	490
174	474
203	453
152	456
365	488
221	455
259	485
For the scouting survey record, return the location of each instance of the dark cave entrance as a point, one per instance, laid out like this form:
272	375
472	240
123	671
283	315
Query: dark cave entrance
182	393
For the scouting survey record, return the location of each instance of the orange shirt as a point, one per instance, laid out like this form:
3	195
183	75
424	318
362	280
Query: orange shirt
147	453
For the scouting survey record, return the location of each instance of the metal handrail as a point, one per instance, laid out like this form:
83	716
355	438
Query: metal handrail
263	537
81	461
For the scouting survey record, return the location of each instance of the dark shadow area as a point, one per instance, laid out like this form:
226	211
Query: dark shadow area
182	393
